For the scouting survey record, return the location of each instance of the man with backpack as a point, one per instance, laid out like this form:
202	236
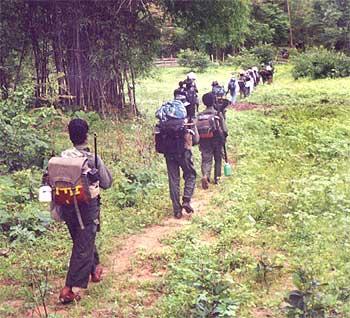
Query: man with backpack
191	94
233	88
212	132
79	206
180	92
242	79
174	136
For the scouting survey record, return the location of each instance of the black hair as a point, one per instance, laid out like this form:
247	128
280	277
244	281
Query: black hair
78	129
208	99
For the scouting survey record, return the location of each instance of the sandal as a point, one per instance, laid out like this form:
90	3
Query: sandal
67	296
96	277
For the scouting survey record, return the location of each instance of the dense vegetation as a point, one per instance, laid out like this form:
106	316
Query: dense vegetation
279	224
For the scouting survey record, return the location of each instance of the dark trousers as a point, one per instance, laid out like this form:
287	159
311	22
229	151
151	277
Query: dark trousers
211	149
84	257
174	163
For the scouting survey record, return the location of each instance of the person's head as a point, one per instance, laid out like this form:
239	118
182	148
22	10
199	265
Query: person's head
208	99
78	131
181	83
191	76
214	83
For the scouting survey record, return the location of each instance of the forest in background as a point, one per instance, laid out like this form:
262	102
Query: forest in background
87	54
279	225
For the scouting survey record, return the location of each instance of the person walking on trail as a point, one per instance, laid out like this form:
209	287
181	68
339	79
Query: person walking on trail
242	85
180	92
233	89
269	73
191	94
84	261
213	132
219	93
175	135
257	76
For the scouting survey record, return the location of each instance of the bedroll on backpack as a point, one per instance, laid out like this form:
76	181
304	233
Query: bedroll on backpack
207	125
170	137
69	179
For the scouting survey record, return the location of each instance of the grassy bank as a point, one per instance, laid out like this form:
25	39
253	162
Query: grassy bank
280	223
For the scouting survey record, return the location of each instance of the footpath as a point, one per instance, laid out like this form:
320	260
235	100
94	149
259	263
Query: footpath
126	271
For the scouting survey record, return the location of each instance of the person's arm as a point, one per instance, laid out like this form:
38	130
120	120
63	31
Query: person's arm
223	124
105	175
195	136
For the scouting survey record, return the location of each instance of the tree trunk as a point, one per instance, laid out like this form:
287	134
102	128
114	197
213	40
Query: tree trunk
19	65
291	44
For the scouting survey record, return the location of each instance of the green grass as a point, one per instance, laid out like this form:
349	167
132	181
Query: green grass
281	222
285	208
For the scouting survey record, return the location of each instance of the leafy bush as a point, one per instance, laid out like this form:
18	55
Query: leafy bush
20	217
245	60
321	63
24	138
265	53
196	60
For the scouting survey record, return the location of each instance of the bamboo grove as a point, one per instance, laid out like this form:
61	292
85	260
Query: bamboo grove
89	52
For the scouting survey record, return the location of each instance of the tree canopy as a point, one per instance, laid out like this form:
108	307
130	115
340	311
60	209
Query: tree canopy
88	53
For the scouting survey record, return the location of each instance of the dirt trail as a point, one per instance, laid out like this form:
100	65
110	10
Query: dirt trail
121	265
150	239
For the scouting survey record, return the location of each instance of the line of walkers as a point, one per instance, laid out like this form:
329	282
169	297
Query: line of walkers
244	83
179	128
73	180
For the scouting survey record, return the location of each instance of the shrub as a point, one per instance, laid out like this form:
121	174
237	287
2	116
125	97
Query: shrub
195	60
21	218
321	63
245	60
264	53
24	138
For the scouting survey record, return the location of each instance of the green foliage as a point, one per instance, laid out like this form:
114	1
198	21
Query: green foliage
21	219
265	53
195	60
211	22
253	57
244	60
268	24
24	140
321	63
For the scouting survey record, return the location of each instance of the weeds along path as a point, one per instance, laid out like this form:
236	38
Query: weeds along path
132	265
131	281
125	273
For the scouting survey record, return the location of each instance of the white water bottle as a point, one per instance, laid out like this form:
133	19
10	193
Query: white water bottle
45	193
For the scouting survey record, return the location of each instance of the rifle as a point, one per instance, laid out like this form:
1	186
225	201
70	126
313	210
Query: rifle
227	166
95	148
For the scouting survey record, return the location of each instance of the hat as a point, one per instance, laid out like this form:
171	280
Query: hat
208	99
191	75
